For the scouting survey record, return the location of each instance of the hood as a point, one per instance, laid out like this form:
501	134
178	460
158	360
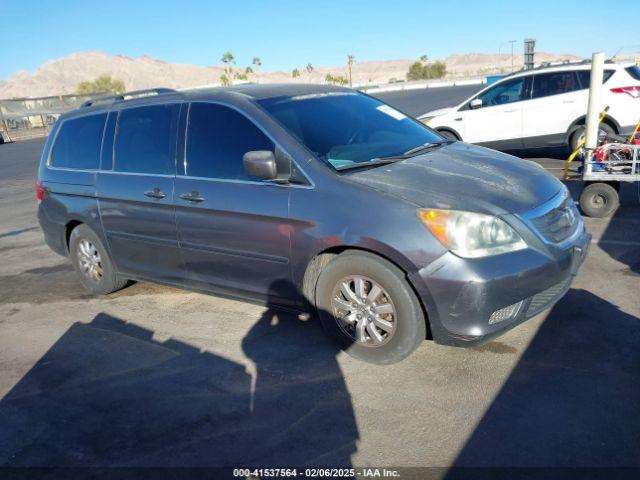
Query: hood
436	113
458	176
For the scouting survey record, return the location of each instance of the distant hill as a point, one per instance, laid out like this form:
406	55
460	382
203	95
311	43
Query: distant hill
57	77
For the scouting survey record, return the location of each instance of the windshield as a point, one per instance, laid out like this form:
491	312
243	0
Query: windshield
346	128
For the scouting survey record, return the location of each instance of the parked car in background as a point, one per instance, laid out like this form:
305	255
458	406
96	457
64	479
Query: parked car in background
543	107
1	139
310	197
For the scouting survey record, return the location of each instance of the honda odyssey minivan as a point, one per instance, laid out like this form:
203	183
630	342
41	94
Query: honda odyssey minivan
309	197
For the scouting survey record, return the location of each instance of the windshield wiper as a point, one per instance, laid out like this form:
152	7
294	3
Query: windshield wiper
369	163
425	146
395	158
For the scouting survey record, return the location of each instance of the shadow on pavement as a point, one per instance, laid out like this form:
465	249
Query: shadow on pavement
108	394
573	399
621	238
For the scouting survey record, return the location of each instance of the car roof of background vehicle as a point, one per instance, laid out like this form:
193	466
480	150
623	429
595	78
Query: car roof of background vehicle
234	94
567	66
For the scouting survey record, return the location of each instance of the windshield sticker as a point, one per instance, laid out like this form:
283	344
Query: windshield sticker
392	112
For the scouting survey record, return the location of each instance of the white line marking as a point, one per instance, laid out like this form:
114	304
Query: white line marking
617	242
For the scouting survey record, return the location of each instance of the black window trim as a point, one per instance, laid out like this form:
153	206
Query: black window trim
117	112
309	184
55	140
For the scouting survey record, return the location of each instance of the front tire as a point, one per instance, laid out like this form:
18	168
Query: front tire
599	200
366	304
92	263
448	135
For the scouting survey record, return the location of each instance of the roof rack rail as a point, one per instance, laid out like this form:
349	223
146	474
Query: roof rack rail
127	96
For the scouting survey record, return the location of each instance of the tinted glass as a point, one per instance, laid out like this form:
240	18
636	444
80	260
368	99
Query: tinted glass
78	143
145	140
584	76
217	138
634	71
344	128
505	92
554	83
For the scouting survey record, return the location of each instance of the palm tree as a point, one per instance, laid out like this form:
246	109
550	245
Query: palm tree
350	60
227	77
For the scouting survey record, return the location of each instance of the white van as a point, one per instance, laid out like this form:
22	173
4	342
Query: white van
543	107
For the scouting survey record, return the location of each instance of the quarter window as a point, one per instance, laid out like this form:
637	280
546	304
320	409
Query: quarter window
78	143
506	92
145	140
585	77
217	139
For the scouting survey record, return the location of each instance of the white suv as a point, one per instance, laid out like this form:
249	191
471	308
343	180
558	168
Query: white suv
543	107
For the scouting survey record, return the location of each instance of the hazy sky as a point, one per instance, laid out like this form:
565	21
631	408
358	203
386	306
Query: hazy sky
288	34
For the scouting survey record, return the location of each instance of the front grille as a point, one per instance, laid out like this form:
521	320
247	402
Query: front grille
546	298
559	223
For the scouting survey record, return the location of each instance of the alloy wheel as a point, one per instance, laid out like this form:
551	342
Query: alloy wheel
364	310
90	261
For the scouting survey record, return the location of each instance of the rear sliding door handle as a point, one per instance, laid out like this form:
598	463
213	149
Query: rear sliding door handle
155	193
192	197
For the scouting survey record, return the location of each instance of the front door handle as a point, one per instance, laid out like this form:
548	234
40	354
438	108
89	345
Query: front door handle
155	193
192	197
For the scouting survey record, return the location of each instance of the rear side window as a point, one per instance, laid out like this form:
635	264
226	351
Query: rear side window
554	83
634	71
217	138
78	143
145	140
585	77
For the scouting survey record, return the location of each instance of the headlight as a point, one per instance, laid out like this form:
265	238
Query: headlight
471	235
425	120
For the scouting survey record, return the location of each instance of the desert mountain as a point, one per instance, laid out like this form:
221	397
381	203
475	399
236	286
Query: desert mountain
57	77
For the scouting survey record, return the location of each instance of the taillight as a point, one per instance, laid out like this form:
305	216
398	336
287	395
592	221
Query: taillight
39	191
633	92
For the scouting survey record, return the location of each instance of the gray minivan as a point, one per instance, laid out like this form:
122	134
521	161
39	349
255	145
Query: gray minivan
310	198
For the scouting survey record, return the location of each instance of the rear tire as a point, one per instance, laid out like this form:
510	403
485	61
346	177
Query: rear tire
92	263
599	200
578	134
389	325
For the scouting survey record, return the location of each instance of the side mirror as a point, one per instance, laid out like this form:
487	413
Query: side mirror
261	164
475	103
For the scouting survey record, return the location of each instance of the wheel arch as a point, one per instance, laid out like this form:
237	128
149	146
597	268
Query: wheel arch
68	228
322	258
450	130
578	122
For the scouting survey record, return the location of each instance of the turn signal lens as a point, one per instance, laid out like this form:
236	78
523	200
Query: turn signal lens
471	235
437	221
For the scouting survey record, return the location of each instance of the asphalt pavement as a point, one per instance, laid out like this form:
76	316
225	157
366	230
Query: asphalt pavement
419	101
156	376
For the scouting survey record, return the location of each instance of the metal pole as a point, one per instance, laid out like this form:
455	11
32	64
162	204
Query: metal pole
3	125
593	110
512	42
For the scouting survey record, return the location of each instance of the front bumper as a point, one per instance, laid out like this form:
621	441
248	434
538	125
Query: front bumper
461	295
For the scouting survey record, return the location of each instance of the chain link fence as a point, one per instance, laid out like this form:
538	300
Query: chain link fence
23	118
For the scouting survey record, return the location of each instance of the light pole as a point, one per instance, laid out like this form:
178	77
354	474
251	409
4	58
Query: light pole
499	58
512	42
